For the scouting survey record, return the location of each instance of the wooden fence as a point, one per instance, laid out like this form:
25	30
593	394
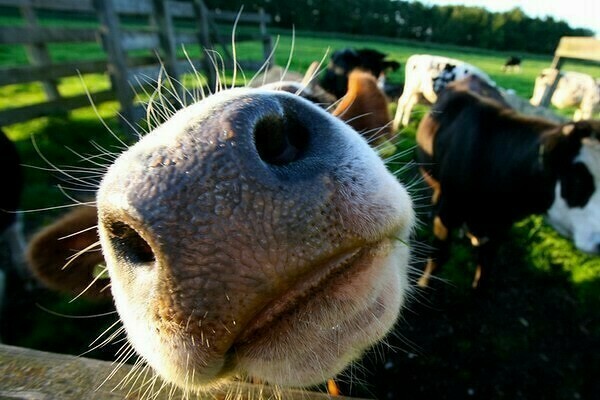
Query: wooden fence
32	374
133	51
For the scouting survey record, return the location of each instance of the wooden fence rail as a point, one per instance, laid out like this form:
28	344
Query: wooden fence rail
135	55
31	374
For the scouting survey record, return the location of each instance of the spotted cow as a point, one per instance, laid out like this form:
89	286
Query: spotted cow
425	77
574	89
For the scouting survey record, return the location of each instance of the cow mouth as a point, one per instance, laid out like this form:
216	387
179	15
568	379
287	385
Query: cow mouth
315	284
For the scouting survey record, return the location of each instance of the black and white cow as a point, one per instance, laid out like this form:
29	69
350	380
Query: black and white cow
489	166
342	62
426	76
574	89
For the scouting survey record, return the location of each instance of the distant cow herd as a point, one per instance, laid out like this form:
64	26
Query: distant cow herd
258	212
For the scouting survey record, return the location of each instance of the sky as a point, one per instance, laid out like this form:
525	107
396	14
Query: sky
577	13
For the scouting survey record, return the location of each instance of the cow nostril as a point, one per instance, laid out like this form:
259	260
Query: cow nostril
280	140
129	245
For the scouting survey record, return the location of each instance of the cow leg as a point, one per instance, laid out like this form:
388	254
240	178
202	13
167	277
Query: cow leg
408	109
486	251
402	101
433	183
441	249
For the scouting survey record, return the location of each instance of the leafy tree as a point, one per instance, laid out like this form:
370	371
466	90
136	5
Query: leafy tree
460	25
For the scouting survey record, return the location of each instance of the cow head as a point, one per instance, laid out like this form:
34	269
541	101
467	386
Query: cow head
344	61
575	211
251	234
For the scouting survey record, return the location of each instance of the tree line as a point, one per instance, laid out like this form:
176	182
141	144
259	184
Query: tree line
458	25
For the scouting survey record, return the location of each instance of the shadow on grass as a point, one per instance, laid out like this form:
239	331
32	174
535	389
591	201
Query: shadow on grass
39	318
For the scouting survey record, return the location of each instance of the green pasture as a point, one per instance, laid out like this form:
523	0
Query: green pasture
543	279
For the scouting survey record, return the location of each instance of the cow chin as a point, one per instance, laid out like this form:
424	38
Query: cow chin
320	338
304	346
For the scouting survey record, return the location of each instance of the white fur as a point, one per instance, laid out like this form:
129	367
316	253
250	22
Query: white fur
378	210
421	72
582	224
574	89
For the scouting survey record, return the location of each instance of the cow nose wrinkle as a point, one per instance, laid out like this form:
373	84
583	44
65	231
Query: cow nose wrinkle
280	139
129	244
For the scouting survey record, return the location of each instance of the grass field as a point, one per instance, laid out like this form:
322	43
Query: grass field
534	334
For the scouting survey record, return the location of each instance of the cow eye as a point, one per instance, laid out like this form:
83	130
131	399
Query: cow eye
577	185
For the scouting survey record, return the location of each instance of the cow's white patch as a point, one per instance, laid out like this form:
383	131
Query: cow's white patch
582	224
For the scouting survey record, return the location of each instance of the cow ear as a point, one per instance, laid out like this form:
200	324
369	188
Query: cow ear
393	65
581	129
66	255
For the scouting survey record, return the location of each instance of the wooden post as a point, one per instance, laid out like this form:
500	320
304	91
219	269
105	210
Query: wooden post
166	34
117	60
38	52
204	38
549	91
266	38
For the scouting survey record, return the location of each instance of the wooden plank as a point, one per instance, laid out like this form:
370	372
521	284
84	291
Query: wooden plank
20	114
136	40
27	35
133	7
59	5
581	48
229	16
14	75
32	374
186	38
148	74
180	9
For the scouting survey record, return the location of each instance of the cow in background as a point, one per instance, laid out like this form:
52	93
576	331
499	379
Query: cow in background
425	77
365	106
574	89
512	63
342	62
490	166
